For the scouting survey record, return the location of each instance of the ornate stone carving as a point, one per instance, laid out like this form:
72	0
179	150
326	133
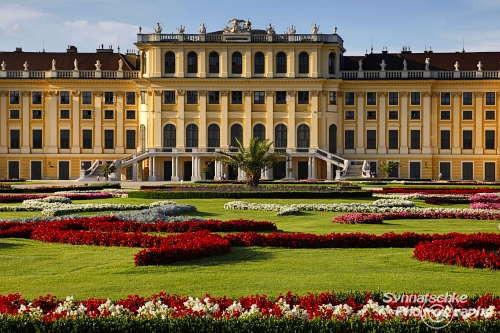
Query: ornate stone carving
202	93
120	65
382	93
360	94
270	93
292	29
314	28
181	28
203	28
224	93
119	93
426	94
404	93
479	66
238	26
157	92
382	65
158	28
314	93
98	93
76	93
26	65
181	92
291	93
75	63
3	93
98	65
270	29
456	65
340	94
478	94
53	64
247	93
360	65
405	65
4	65
427	63
457	93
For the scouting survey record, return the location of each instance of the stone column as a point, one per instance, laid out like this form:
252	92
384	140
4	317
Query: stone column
98	125
224	127
455	118
340	122
360	117
119	149
382	148
404	124
479	130
314	132
247	126
426	123
181	123
25	148
270	115
291	130
203	130
75	131
3	122
157	130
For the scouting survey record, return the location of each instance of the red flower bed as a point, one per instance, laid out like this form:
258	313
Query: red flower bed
378	218
449	191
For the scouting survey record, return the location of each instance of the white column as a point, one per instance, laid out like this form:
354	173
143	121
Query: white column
150	168
328	170
134	171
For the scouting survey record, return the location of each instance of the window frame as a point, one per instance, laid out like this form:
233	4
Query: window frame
259	97
415	98
303	97
214	97
64	139
394	98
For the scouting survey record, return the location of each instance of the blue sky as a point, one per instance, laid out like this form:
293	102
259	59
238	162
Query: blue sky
443	25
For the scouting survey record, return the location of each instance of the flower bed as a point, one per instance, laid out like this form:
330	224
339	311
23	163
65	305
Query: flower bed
434	190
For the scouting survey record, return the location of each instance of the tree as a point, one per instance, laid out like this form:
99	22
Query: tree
108	169
252	160
388	167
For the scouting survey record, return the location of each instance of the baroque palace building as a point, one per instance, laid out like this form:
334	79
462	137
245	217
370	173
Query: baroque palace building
162	111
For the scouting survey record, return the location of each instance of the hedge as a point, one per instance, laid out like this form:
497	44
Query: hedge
52	189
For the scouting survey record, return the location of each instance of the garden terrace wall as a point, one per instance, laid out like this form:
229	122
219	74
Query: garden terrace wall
53	189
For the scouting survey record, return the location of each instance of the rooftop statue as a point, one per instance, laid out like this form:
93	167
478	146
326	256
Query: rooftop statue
120	64
405	65
203	28
479	66
314	28
360	65
270	29
456	65
25	65
76	64
427	63
181	29
98	65
382	65
237	25
158	28
292	29
53	64
3	64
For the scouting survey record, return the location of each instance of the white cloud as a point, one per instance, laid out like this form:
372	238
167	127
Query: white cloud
15	18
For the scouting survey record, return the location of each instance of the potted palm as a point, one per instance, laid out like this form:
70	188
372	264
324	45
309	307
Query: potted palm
109	169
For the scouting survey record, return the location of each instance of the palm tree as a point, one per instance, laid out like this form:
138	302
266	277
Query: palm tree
388	167
108	169
252	160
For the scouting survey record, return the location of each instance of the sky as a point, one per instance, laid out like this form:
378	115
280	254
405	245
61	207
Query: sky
443	25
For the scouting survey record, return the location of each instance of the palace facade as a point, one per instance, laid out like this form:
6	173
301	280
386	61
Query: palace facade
162	111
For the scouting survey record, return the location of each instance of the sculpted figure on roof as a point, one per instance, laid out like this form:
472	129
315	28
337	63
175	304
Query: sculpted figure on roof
427	63
237	25
75	63
25	65
158	28
314	28
292	29
456	65
98	65
181	29
203	29
479	66
3	65
53	64
405	65
270	29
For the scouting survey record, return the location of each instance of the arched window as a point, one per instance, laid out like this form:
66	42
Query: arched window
303	63
331	63
259	131
213	136
169	140
169	63
192	135
142	138
303	136
237	63
236	133
332	139
281	62
213	63
280	136
192	62
259	63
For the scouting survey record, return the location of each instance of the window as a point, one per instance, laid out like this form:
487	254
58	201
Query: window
371	139
281	62
64	114
303	136
303	63
86	139
415	139
169	97
445	139
213	136
467	115
303	97
490	98
237	67
236	132
489	139
445	170
349	98
213	63
109	114
36	114
414	114
108	98
236	97
14	97
64	97
467	170
445	98
169	63
393	114
14	114
349	139
371	114
331	64
130	139
258	97
36	97
109	139
445	115
281	97
130	98
490	115
15	139
130	114
213	97
349	115
393	98
86	97
192	62
192	135
259	63
371	98
467	139
280	136
192	97
489	171
36	139
86	114
169	136
393	139
64	139
415	170
467	98
415	98
259	131
394	173
332	98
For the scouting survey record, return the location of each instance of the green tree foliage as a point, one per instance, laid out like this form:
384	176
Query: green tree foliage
388	167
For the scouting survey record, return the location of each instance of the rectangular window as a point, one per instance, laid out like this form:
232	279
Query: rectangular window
349	98
467	98
14	97
64	97
393	139
15	139
303	97
490	98
109	114
236	97
36	114
393	114
281	97
130	98
393	98
192	97
371	114
445	98
64	139
130	139
371	98
371	139
109	97
14	114
169	97
415	139
415	98
332	98
489	139
467	139
36	97
213	97
64	114
36	139
349	115
445	139
109	139
445	115
258	97
130	114
86	114
415	114
467	115
349	139
86	139
86	97
490	115
415	170
467	171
